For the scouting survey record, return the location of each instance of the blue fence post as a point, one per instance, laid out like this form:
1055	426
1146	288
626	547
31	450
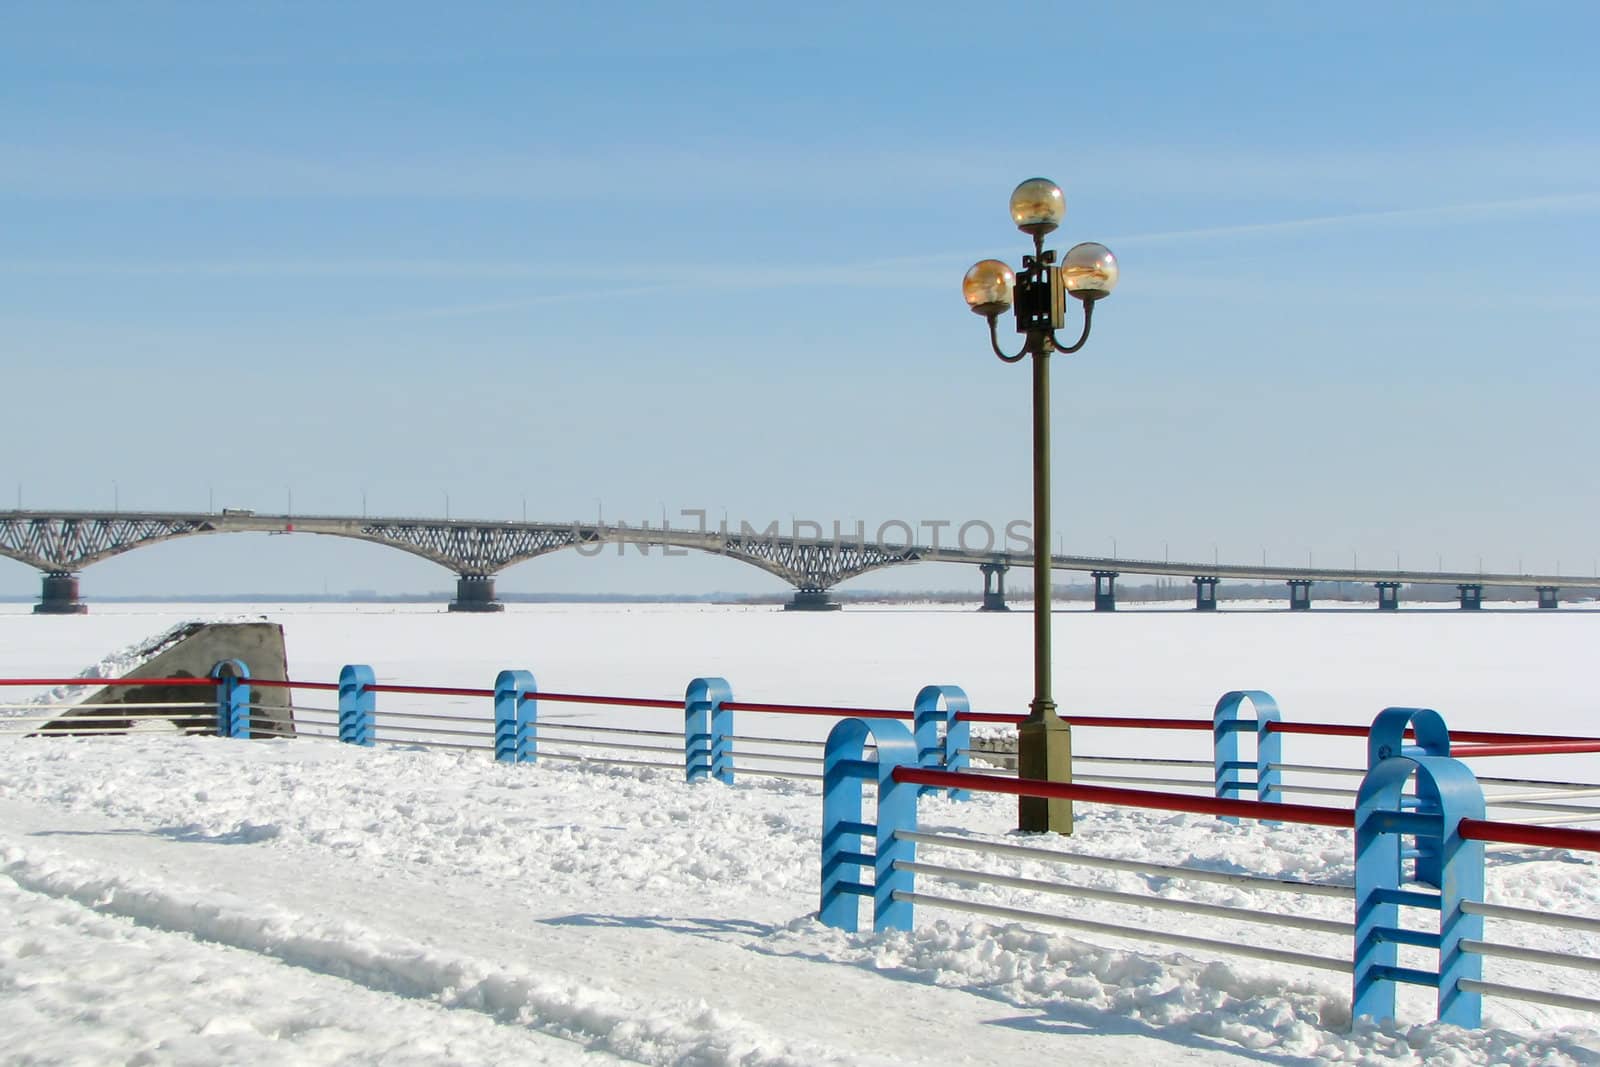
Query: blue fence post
233	698
357	703
1385	739
707	726
1227	766
844	771
950	753
1383	821
516	718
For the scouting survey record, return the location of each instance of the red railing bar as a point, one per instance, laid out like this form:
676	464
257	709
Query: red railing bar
108	681
1129	722
1528	748
1323	729
1329	729
1473	737
624	702
815	709
1510	833
429	690
1471	829
1308	814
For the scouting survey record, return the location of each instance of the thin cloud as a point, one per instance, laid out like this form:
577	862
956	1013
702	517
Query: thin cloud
1574	203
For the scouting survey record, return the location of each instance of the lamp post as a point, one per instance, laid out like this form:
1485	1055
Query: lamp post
1039	293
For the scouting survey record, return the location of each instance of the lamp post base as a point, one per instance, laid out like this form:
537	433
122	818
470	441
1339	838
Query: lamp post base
1044	752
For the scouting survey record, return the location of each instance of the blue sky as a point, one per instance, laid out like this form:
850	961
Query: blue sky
630	257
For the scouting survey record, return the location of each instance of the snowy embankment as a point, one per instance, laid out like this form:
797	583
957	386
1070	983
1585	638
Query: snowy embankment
198	900
204	900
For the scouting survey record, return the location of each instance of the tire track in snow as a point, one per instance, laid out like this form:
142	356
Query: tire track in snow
80	989
685	1033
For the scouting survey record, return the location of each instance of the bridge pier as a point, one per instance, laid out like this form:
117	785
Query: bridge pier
475	592
1471	597
812	600
1299	594
1388	596
59	595
995	574
1105	590
1547	597
1205	593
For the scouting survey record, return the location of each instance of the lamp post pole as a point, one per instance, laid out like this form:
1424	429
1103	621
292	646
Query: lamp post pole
1087	272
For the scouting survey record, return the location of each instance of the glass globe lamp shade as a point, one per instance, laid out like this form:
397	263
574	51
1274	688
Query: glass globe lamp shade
1089	271
987	286
1037	206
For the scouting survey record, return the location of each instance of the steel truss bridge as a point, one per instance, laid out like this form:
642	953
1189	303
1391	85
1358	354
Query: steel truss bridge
62	543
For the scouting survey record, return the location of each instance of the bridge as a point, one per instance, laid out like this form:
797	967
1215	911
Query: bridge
62	543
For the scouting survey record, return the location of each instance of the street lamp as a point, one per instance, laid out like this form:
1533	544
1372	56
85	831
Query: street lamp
1039	294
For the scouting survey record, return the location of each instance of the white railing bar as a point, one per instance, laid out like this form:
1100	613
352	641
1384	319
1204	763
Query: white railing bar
108	731
68	709
381	725
989	753
1570	789
741	754
1140	759
289	707
1321	889
331	720
610	730
1489	799
270	730
1317	768
387	713
778	741
1187	783
617	745
1191	907
315	735
1539	783
1528	915
1538	996
611	762
1554	820
1549	794
1319	790
1539	805
1162	937
187	717
798	776
1532	955
100	722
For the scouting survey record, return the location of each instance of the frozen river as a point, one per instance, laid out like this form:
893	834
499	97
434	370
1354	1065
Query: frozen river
1510	669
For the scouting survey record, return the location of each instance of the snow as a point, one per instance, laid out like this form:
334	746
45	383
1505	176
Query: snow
199	900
